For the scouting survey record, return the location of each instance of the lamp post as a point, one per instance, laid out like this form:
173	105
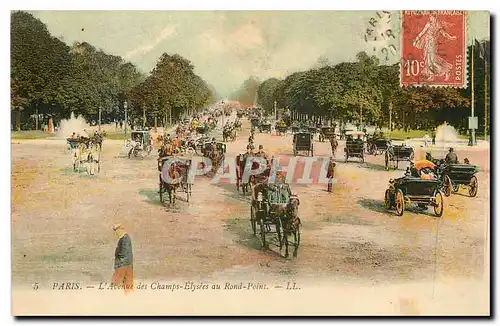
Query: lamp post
126	122
223	113
100	108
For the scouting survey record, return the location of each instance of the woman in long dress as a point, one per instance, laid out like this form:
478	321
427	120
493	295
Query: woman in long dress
427	39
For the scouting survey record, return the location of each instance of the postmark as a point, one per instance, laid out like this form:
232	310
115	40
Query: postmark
433	45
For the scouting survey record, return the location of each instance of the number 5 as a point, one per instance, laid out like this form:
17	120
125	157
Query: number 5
35	286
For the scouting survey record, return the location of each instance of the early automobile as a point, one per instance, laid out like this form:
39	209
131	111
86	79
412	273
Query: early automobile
419	187
456	176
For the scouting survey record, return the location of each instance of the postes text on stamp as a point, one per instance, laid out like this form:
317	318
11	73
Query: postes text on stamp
433	45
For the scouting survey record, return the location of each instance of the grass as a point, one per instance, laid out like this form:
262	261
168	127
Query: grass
30	134
117	135
399	134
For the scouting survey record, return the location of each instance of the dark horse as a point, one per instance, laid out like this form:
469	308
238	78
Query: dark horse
291	225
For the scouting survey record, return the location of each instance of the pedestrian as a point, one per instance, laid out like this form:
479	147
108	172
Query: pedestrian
121	124
124	271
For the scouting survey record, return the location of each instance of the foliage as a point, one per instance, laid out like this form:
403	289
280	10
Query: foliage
53	79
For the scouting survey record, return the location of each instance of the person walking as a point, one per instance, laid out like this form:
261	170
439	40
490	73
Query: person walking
124	271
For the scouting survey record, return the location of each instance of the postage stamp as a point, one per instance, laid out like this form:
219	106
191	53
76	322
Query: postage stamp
433	47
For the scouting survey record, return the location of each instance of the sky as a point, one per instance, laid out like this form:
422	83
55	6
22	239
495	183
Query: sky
226	47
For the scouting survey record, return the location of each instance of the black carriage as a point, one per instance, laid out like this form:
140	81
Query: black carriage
254	122
312	130
377	146
169	189
281	129
354	147
326	133
398	153
296	127
219	158
408	190
302	142
202	129
456	176
139	143
274	209
265	127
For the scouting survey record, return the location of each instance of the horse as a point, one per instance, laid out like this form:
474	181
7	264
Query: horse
87	153
291	225
175	172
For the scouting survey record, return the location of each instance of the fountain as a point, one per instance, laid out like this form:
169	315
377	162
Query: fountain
72	125
446	134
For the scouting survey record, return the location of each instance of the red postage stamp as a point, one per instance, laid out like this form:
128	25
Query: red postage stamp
433	46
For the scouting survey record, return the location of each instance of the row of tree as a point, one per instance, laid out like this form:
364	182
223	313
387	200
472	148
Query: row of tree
365	92
50	79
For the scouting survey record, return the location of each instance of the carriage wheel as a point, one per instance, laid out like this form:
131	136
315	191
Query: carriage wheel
374	150
262	233
438	204
473	186
447	186
253	220
386	161
400	202
362	158
346	157
387	199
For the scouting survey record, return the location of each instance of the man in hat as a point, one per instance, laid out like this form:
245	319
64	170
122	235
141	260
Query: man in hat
261	152
124	272
451	157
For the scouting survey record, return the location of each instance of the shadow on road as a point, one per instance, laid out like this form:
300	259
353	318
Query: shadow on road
372	166
151	196
242	228
374	205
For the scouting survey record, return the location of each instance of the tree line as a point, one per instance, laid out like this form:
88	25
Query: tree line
365	92
51	79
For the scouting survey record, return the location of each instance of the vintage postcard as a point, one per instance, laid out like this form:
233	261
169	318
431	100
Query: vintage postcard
250	163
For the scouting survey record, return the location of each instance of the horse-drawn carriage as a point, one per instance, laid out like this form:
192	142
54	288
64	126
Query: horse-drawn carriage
139	143
86	151
311	130
265	127
416	187
203	129
229	133
173	176
456	176
281	128
377	145
303	142
275	210
217	157
252	179
398	153
296	127
354	147
326	133
254	122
